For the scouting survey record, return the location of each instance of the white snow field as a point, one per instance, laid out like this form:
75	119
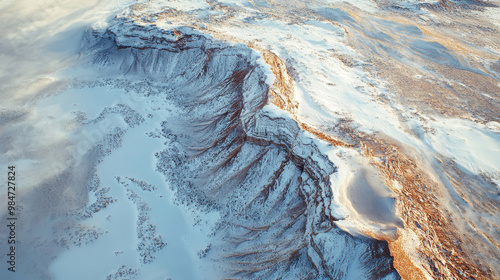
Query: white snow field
251	139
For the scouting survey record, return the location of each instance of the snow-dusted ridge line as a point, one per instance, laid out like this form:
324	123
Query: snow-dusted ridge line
232	184
258	169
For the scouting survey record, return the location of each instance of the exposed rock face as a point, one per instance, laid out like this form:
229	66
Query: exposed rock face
232	154
254	139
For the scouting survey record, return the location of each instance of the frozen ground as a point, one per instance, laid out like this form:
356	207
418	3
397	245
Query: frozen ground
252	139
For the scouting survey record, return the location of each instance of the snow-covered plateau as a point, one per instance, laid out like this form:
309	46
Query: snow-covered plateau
250	139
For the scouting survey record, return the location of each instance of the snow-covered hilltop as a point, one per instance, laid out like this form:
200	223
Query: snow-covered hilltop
262	140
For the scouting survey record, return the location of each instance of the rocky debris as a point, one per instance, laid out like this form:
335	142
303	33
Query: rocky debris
123	273
101	202
131	117
79	235
142	185
149	242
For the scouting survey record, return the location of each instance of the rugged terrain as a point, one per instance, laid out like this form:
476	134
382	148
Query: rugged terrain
260	140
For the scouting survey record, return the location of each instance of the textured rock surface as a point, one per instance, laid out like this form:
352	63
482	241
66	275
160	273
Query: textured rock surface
253	139
232	154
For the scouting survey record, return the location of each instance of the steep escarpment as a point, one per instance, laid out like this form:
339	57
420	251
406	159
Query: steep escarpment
229	151
429	244
253	139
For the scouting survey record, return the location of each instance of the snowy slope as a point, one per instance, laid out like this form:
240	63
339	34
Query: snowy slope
253	139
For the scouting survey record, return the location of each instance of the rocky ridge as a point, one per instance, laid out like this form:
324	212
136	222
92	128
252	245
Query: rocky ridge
233	152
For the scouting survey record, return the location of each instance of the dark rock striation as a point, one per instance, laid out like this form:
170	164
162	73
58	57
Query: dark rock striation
230	151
